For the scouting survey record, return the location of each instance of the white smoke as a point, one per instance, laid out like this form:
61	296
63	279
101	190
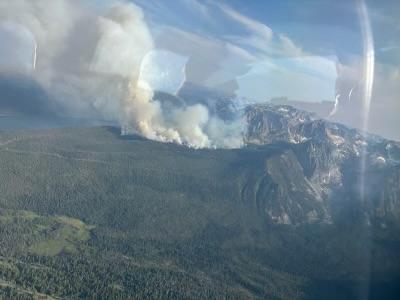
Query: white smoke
90	60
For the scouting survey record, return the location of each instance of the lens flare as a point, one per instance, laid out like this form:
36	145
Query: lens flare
335	107
369	67
34	56
368	76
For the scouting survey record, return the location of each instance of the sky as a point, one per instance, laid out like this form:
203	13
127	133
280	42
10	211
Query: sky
309	50
260	41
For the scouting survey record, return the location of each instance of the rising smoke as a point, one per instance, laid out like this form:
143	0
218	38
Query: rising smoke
89	59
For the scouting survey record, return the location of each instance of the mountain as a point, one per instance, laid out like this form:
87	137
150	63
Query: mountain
331	158
86	213
324	160
322	108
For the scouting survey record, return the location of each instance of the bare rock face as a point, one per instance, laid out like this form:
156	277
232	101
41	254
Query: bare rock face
323	171
331	172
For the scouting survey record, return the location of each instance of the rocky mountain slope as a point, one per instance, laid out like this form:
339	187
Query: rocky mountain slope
88	213
327	171
134	219
337	162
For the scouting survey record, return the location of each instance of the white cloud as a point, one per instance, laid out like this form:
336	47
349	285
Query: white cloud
217	59
279	67
197	7
266	63
212	61
258	30
260	37
289	48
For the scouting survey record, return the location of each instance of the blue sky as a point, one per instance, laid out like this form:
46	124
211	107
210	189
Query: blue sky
258	49
266	46
308	50
316	25
303	50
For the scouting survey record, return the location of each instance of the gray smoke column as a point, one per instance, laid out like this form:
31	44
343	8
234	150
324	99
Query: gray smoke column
89	58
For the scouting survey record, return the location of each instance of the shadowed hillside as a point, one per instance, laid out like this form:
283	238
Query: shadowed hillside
136	219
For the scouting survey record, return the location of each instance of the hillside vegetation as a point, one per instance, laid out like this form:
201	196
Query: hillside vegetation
88	214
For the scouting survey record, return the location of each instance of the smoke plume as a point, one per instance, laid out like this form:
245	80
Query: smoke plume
89	59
